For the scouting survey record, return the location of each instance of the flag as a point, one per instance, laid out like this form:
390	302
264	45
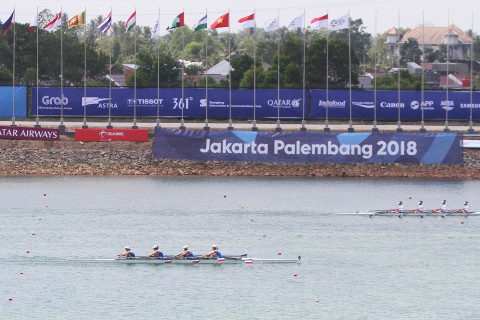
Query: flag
296	23
248	21
201	24
78	20
156	28
106	23
321	22
55	23
339	23
271	25
177	22
221	22
34	23
9	22
131	22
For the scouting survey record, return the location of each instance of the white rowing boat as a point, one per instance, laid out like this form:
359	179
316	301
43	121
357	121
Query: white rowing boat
195	260
431	213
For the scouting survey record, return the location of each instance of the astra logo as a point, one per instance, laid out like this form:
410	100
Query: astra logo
49	101
92	100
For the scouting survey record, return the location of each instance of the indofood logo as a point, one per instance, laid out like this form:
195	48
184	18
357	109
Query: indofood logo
50	101
427	105
333	104
284	103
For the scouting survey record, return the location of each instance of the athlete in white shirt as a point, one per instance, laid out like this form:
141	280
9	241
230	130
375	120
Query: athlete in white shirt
465	208
444	207
420	207
400	207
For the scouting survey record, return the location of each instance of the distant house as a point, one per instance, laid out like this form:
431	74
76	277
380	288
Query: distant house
458	41
128	70
219	71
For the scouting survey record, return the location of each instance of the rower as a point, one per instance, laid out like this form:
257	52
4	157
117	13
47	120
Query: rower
214	253
400	207
156	253
465	208
420	207
444	207
185	254
127	254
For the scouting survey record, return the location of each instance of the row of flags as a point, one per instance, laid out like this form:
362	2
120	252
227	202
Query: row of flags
179	21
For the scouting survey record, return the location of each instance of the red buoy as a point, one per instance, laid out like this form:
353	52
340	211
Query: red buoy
10	299
44	194
28	251
316	300
39	218
461	222
294	274
33	234
224	195
21	272
264	236
251	219
279	253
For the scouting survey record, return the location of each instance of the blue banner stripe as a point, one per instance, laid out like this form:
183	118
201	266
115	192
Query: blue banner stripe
439	148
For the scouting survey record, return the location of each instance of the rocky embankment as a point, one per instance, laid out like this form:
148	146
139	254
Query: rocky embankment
68	157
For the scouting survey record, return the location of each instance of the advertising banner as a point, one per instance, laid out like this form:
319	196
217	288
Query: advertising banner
111	135
435	105
25	133
430	148
6	102
122	103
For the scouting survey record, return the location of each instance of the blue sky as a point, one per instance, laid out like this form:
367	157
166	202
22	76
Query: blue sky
437	13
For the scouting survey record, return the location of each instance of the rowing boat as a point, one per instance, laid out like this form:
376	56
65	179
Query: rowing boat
431	213
195	260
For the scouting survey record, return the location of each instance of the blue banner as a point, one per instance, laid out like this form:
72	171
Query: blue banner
435	105
122	103
6	102
431	148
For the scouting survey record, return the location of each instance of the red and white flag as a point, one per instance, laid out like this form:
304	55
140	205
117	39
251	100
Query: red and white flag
321	22
248	21
55	23
34	22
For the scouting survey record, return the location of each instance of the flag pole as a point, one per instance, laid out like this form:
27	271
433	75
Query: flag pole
375	129
61	126
134	126
182	121
447	103
254	122
13	78
327	129
399	128
422	124
37	120
85	126
109	125
303	128
350	127
206	127
278	128
230	125
470	130
158	70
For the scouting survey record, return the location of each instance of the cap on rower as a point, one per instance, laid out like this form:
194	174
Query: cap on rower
127	248
400	203
185	247
444	201
155	247
465	203
214	246
420	202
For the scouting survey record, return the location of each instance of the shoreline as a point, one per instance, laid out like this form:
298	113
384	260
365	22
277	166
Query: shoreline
71	158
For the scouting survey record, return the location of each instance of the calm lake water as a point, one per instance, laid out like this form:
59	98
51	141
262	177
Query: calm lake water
357	268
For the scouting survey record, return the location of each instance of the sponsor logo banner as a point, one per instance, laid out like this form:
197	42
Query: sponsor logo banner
25	133
6	102
363	105
111	135
169	103
430	148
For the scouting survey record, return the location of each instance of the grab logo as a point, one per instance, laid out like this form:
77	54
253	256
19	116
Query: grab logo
49	101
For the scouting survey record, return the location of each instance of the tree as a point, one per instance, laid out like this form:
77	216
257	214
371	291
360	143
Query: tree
408	81
410	52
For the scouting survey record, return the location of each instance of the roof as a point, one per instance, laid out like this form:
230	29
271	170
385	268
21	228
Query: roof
130	66
436	35
393	31
221	68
